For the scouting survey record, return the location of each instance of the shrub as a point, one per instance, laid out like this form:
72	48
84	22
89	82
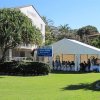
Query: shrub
34	68
24	68
8	67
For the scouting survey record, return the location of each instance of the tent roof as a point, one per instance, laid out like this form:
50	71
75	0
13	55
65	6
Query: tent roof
69	46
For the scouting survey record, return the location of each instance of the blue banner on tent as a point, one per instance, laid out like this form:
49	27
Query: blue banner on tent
47	52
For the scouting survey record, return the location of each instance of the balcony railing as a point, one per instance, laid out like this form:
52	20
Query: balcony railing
27	46
22	59
19	59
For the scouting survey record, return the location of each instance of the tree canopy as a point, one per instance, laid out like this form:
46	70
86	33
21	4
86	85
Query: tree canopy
16	28
56	33
49	36
96	42
85	31
64	31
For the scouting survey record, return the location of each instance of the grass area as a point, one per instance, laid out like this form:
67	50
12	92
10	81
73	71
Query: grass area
51	87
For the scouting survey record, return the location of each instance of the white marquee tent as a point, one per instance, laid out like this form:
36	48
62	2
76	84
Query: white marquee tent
69	46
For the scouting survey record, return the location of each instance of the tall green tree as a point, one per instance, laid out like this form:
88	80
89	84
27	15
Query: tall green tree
96	42
16	28
64	31
49	36
85	31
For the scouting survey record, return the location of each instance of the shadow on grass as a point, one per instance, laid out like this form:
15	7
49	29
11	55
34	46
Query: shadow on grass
95	86
71	72
2	77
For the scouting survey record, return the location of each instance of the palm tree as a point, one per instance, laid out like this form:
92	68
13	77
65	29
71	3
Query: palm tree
49	36
64	31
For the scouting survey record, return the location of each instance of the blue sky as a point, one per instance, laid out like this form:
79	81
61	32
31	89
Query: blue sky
76	13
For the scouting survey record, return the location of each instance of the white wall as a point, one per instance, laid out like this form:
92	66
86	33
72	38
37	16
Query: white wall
36	19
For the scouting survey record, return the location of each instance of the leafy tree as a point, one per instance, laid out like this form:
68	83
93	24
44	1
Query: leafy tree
85	31
96	42
16	28
49	36
64	31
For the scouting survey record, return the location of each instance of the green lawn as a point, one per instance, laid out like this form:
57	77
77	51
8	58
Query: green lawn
51	87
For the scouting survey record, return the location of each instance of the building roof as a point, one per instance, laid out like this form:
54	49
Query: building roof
69	46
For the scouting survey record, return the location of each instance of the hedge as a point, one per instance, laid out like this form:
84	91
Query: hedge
24	68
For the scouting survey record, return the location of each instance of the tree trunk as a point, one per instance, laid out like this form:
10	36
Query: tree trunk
3	55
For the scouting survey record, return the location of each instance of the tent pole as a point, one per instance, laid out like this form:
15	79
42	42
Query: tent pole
62	57
77	62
